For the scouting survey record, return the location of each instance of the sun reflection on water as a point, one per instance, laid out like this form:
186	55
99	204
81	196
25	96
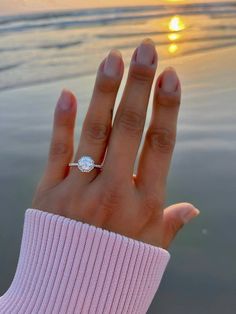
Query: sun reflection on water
173	36
173	48
175	26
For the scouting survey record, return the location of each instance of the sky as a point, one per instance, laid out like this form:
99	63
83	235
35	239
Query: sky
21	6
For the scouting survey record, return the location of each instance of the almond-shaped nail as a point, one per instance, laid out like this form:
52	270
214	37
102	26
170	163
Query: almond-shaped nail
189	213
112	66
169	81
146	52
65	100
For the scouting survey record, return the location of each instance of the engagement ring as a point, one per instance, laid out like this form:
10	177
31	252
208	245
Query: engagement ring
85	164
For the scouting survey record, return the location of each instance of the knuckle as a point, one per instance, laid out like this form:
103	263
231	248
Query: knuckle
97	132
152	207
63	119
161	139
131	121
106	84
110	200
59	149
168	100
141	73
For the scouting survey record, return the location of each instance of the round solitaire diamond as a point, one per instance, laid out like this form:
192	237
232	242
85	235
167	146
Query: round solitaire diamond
85	164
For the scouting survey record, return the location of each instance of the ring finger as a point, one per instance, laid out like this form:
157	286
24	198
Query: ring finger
97	124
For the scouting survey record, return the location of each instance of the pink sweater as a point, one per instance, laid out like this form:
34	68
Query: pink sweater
66	266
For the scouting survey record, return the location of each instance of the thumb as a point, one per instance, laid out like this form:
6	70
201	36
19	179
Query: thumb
174	218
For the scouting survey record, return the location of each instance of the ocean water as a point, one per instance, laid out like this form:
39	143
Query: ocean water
52	46
42	53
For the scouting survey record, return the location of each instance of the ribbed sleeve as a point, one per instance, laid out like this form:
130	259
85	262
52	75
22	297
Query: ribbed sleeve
66	266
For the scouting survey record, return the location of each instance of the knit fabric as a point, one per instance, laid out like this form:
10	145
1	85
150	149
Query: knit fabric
66	266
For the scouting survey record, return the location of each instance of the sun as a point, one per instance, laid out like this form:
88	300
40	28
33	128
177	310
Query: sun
176	24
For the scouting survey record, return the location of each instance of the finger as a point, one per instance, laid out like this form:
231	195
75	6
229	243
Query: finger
130	117
159	141
61	147
174	218
97	124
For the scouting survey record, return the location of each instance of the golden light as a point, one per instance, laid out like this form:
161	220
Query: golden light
173	36
176	24
173	48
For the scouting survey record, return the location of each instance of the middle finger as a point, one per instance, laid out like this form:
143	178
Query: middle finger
131	114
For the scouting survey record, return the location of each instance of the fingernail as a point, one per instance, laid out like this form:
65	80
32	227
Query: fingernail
169	81
146	52
64	101
189	213
112	66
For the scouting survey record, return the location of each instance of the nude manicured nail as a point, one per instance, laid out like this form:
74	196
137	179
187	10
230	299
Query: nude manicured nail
64	101
146	52
189	213
112	66
169	81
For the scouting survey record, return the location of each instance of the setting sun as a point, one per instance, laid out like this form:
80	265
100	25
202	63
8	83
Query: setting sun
176	24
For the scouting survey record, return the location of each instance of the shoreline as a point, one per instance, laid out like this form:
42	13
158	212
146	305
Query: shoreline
176	61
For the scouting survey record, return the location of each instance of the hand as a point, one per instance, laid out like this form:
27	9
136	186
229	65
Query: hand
114	198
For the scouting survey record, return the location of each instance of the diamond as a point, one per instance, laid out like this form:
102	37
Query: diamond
85	164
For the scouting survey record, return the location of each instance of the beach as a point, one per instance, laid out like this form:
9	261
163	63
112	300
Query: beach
40	60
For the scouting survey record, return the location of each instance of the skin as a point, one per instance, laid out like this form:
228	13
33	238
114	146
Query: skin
115	198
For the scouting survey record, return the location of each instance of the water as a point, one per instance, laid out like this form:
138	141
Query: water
42	53
45	47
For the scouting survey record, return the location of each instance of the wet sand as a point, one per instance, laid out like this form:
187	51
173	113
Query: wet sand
201	274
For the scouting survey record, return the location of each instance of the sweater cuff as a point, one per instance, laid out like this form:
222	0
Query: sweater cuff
66	266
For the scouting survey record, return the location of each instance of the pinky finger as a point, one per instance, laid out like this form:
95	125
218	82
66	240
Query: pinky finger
62	141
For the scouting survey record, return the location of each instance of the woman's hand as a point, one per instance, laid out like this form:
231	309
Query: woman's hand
114	198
